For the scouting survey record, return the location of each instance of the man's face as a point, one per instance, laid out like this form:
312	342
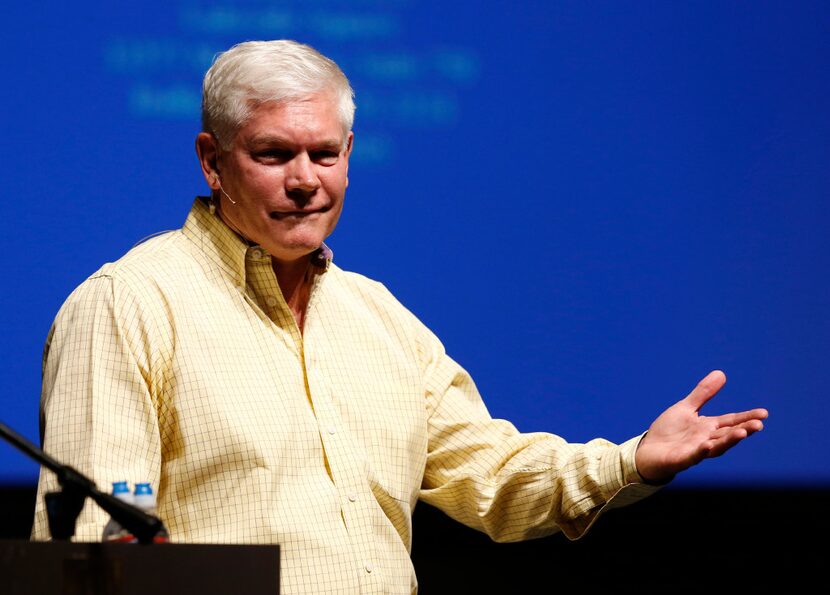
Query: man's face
287	173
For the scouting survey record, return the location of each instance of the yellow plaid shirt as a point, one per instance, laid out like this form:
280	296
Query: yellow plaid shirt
181	364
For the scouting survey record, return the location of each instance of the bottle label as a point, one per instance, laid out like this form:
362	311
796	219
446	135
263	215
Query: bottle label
121	537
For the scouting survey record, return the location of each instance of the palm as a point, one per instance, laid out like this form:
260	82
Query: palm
680	437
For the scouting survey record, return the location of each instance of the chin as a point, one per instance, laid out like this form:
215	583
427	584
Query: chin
294	251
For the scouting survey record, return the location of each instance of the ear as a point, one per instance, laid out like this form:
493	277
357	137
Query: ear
349	144
207	150
347	153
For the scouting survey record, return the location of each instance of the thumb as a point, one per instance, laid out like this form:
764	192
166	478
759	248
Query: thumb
706	389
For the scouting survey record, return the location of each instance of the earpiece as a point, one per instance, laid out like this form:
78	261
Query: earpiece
226	194
215	178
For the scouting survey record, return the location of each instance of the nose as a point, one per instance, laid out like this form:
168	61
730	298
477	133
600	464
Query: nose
300	178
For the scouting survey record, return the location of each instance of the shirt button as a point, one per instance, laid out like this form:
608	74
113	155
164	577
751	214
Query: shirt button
332	430
352	497
271	301
256	253
369	567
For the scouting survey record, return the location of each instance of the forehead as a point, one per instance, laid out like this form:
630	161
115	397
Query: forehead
312	119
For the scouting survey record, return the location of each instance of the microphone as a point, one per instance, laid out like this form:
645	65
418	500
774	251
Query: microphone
218	181
64	506
226	194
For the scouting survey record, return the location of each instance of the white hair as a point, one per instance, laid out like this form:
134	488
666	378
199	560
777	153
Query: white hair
255	72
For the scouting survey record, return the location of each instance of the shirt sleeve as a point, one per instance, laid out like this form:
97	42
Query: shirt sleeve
98	401
513	486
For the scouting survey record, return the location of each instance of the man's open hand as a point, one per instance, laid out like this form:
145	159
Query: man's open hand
680	437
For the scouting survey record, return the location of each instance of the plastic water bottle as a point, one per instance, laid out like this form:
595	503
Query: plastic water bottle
145	499
113	531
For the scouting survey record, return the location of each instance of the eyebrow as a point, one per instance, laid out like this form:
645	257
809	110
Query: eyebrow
273	140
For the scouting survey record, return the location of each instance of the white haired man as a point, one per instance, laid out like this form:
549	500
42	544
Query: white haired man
271	397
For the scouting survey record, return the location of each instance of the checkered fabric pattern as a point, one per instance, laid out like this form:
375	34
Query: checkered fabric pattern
181	364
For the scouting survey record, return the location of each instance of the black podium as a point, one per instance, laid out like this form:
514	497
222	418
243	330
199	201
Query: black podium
65	568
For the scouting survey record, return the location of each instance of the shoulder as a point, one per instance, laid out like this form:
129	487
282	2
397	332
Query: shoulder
153	266
124	284
370	298
124	300
368	292
153	258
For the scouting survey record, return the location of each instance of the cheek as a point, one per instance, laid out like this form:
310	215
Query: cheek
335	184
258	181
335	215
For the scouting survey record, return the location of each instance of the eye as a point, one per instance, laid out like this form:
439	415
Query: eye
325	157
273	155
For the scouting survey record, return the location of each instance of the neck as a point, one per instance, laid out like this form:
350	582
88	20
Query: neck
293	276
216	205
294	279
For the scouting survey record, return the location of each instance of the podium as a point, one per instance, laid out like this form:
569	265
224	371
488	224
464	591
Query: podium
66	568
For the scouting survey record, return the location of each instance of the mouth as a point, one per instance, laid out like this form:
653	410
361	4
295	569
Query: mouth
297	214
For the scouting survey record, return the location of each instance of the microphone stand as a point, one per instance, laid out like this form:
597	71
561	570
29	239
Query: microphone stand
64	506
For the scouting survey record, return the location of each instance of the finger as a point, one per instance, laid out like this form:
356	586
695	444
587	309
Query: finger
706	389
733	419
716	447
725	438
750	426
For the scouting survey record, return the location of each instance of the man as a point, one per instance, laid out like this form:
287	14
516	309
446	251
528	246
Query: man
271	397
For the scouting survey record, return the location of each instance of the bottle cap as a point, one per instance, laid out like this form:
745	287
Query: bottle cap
121	490
144	497
143	489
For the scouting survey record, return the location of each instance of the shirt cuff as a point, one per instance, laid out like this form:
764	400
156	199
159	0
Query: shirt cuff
619	475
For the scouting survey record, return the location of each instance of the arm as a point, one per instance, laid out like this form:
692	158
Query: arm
489	476
486	474
98	410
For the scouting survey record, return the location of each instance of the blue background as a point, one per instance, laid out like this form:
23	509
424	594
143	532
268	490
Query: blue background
593	204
